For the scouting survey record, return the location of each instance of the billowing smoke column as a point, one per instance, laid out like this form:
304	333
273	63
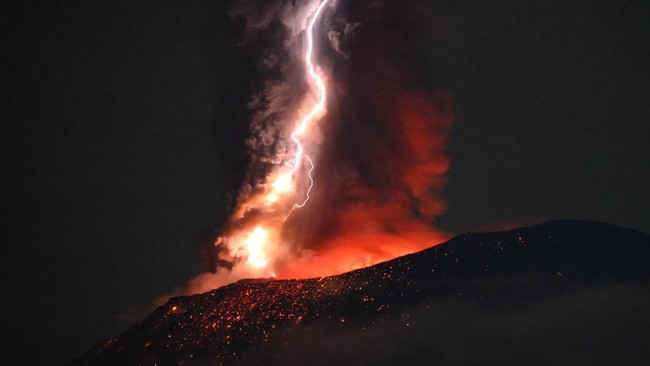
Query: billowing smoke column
347	151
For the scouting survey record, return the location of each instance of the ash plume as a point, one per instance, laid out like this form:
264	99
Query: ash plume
377	152
383	162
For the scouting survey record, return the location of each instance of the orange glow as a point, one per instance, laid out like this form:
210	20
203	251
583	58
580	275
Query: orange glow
302	220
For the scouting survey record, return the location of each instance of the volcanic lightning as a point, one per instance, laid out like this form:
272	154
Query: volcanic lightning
284	182
257	244
373	201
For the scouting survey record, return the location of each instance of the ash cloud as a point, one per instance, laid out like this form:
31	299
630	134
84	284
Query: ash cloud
341	35
381	163
259	15
383	160
271	31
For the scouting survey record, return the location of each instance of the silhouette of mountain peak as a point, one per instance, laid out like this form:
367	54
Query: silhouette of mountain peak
242	322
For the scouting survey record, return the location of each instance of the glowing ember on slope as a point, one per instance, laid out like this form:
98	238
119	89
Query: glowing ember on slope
228	325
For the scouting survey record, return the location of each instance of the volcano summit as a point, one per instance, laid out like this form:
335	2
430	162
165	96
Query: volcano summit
557	293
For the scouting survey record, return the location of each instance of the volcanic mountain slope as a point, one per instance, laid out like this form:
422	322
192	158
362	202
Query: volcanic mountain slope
561	292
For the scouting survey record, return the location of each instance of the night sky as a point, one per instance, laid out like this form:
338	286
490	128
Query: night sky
124	127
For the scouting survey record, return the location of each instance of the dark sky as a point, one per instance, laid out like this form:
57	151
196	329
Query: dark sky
123	128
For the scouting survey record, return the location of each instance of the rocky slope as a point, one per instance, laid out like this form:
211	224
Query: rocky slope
455	303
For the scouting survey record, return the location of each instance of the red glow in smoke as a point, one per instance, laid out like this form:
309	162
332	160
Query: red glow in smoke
370	224
378	200
359	213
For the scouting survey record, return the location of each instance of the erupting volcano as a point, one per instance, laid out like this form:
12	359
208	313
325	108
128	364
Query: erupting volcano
331	255
489	288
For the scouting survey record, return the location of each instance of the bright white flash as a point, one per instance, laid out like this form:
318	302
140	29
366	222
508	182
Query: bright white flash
254	246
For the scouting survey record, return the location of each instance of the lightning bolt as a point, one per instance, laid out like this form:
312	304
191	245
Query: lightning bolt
307	194
256	244
317	111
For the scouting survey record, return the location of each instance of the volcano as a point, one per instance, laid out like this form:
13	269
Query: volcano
560	292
